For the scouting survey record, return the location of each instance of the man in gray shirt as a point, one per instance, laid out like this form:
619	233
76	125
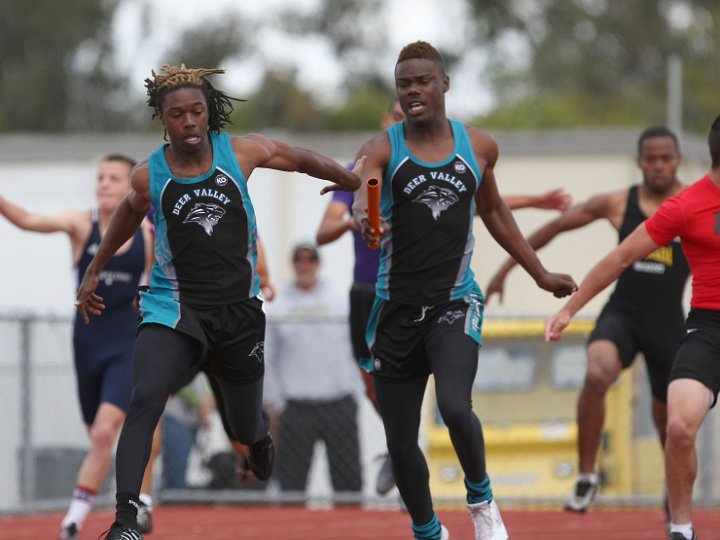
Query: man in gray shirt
312	379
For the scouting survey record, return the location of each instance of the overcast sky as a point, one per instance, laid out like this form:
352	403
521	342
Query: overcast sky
403	21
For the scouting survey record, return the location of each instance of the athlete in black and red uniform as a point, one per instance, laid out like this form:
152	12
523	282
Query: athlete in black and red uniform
693	216
644	313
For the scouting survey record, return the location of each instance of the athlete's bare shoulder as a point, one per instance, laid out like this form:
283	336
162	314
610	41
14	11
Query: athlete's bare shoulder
140	179
248	140
378	141
141	168
612	201
480	136
256	145
77	216
377	146
77	223
610	206
484	145
255	150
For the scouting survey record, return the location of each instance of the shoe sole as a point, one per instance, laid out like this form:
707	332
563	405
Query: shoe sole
569	508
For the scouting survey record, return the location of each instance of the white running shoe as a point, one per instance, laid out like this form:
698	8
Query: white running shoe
681	536
487	521
144	518
582	497
385	479
444	533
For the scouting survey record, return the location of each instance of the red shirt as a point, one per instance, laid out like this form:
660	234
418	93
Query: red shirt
694	216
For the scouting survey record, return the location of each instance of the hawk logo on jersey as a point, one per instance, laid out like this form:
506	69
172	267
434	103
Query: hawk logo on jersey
459	167
451	316
206	215
258	351
221	180
437	199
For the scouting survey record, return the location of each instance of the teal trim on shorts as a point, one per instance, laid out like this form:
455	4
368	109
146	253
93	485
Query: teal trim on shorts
474	317
365	364
157	309
371	331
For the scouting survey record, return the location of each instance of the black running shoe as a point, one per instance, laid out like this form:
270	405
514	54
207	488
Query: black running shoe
69	532
118	531
261	458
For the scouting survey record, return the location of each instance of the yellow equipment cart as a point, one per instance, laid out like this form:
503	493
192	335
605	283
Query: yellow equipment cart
525	395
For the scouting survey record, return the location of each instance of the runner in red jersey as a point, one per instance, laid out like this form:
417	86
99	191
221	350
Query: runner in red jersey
694	216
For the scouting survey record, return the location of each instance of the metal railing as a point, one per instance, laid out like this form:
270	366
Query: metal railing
44	439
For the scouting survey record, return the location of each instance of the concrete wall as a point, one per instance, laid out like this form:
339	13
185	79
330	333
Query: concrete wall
52	173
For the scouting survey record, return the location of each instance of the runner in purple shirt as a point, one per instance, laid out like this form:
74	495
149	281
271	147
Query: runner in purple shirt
366	259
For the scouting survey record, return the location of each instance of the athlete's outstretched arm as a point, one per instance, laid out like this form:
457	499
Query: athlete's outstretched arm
556	199
254	150
42	223
499	221
76	224
636	246
335	222
125	221
597	207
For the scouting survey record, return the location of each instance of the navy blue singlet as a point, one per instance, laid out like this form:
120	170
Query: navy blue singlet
104	348
118	284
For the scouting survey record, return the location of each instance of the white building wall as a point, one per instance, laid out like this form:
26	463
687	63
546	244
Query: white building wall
57	173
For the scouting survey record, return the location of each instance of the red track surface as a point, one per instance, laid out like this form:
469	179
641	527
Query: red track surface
351	523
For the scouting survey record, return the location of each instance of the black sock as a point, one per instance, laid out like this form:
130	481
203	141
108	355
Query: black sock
126	509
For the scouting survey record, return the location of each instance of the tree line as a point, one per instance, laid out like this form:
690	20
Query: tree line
548	63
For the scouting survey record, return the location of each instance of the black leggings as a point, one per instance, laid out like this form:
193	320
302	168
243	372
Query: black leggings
453	359
162	355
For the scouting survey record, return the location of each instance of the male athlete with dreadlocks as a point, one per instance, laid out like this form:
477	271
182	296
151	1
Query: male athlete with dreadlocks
428	309
202	300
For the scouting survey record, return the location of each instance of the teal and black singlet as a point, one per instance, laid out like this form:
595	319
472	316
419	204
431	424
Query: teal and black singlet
425	259
205	237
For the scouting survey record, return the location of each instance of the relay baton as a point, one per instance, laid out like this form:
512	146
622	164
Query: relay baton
373	209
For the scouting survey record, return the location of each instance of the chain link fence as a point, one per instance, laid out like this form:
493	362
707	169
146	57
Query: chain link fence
525	395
